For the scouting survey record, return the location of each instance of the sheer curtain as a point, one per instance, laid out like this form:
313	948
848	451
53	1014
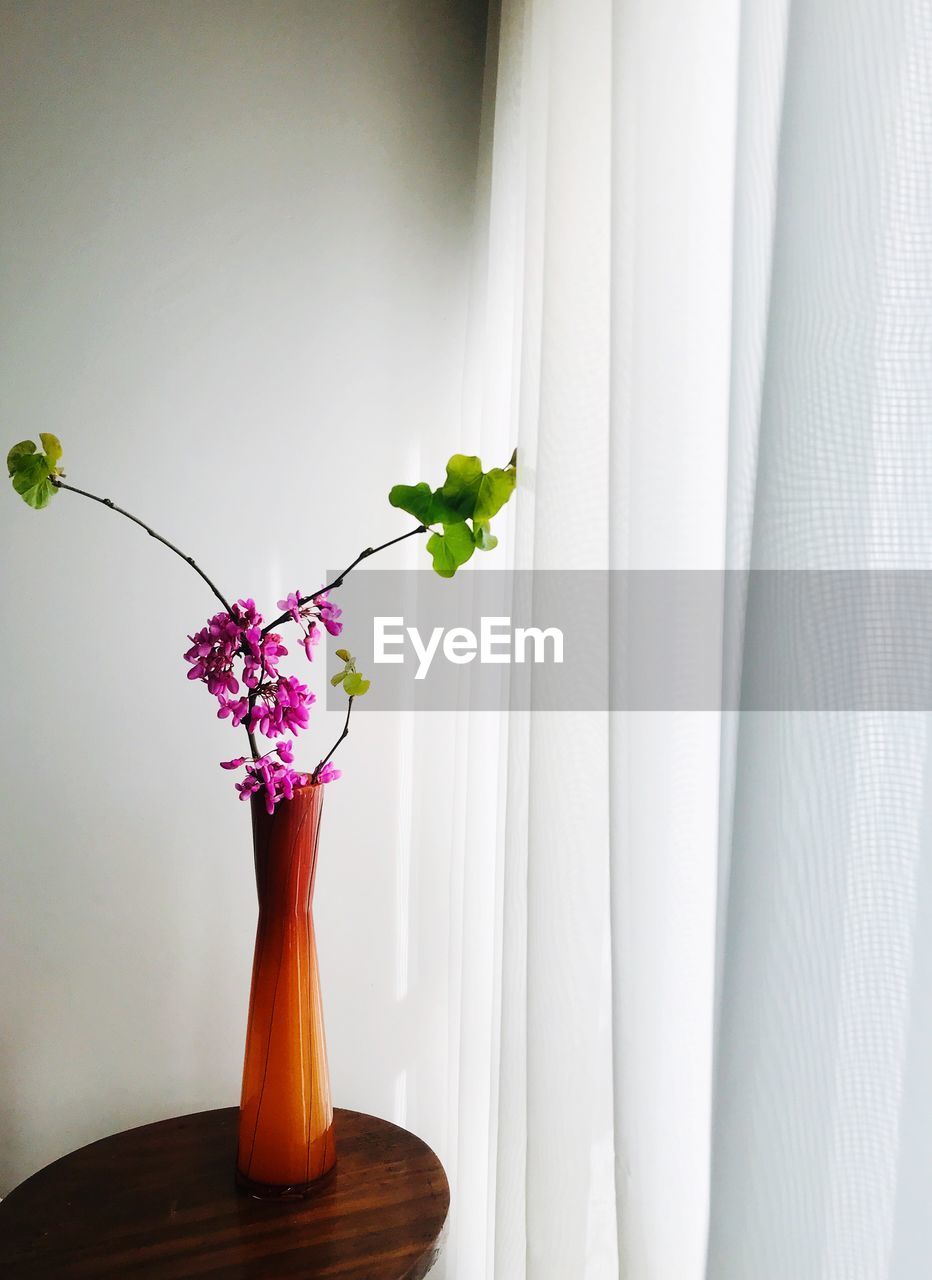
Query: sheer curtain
823	1126
705	318
605	348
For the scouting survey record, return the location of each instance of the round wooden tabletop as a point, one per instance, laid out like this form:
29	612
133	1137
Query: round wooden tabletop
159	1202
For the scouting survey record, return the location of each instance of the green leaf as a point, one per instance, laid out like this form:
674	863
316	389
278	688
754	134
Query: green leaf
31	472
485	541
31	481
475	494
344	655
17	453
464	476
468	494
451	548
52	446
496	488
417	500
355	685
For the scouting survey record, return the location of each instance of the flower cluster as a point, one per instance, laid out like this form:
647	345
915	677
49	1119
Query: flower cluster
273	707
311	615
217	646
274	779
261	697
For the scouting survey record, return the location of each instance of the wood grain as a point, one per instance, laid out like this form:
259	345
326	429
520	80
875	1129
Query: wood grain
160	1202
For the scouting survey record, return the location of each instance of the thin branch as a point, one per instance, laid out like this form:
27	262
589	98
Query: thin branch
338	580
349	709
251	699
106	502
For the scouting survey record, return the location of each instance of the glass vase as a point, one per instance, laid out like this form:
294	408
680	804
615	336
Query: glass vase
286	1141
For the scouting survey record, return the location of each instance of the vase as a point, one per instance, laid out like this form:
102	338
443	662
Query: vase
286	1141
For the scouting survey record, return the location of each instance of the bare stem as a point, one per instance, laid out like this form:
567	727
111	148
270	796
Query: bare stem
349	709
338	580
106	502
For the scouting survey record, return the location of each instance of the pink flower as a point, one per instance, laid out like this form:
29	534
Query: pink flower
329	613
292	604
238	710
281	707
249	784
217	646
231	651
273	780
318	611
310	640
261	657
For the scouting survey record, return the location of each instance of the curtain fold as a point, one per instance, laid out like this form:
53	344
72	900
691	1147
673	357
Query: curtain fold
675	84
554	1206
706	323
822	1137
611	188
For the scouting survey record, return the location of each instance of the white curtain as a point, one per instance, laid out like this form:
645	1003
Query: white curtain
704	315
606	258
823	1125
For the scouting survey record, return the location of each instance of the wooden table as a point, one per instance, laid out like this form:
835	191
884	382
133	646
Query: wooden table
159	1202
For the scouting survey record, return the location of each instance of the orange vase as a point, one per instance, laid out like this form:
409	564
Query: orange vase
286	1141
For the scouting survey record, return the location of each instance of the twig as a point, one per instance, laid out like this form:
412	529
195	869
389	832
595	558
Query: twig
106	502
349	708
338	580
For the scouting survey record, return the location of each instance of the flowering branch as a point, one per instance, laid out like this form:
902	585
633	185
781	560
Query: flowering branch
236	655
258	687
338	580
107	502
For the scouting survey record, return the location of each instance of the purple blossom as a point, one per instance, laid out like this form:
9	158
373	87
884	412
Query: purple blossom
271	703
319	611
329	613
213	651
238	710
271	779
292	604
261	656
281	706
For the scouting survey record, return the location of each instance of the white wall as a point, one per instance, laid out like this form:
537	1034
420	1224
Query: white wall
234	240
